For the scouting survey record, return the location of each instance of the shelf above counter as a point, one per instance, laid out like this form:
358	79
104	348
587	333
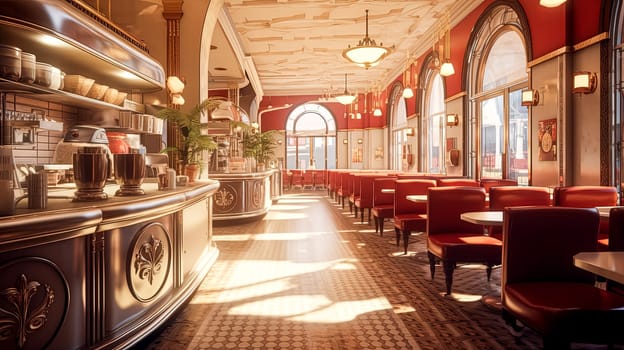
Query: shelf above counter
58	33
56	96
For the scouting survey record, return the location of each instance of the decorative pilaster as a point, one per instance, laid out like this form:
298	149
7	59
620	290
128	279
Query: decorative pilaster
172	12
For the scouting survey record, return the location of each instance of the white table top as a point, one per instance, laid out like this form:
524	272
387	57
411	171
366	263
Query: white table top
487	218
605	211
609	265
418	198
387	190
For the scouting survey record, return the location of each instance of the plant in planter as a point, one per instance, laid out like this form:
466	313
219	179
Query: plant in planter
193	142
258	145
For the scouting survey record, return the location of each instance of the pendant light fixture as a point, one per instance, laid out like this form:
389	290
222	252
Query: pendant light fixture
346	98
377	109
447	69
367	53
407	91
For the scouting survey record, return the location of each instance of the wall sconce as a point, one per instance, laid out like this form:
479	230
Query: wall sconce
410	132
345	141
584	83
530	97
452	120
360	141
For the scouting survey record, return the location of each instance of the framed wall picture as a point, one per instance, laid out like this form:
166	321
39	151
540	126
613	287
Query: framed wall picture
547	139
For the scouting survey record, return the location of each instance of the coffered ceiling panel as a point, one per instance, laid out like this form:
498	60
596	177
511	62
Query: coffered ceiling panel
296	45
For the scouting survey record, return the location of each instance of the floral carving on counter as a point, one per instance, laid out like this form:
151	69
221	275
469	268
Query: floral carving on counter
28	313
257	194
225	198
149	259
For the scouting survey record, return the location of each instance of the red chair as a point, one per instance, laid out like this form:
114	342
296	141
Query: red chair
296	179
446	182
307	179
453	240
409	216
320	179
383	203
489	183
286	179
588	197
515	196
543	289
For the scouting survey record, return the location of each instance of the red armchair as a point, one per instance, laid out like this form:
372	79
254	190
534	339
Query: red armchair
588	197
543	289
409	216
453	240
383	203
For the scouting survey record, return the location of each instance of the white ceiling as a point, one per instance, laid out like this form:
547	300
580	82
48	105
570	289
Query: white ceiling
294	47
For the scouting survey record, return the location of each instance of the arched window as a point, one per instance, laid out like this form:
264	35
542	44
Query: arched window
310	138
433	139
399	147
498	74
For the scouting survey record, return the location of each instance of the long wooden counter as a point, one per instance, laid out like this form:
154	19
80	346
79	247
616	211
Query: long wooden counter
102	274
245	195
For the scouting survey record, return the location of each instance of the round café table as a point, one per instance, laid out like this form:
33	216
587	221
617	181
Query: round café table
487	219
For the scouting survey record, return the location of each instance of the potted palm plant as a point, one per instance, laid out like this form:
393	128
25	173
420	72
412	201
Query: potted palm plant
258	145
193	142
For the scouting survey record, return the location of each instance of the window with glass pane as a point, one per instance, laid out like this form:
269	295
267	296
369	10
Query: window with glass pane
503	120
399	123
311	135
492	137
434	139
518	139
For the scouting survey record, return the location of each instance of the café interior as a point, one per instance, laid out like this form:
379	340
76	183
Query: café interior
439	174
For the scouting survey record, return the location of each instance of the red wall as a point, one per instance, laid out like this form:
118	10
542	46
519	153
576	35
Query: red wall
548	33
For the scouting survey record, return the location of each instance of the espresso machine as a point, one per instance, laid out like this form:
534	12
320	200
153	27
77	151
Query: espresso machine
85	147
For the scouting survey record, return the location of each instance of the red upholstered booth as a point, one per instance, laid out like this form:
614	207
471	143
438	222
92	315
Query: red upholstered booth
514	196
445	182
409	216
489	183
588	197
383	203
453	240
543	289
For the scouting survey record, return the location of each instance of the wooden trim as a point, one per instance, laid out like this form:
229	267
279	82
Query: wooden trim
549	56
591	41
569	49
456	96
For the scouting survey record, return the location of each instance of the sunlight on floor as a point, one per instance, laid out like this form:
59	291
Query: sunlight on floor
465	298
232	237
288	207
311	308
280	215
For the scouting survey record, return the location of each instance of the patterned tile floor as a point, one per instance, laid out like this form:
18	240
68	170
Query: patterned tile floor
311	276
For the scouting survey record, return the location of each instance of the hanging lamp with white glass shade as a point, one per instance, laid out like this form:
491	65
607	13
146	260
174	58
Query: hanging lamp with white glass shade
447	69
551	3
377	110
407	91
366	53
346	98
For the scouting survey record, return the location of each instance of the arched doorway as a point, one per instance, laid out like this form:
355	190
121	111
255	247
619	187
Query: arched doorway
310	138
